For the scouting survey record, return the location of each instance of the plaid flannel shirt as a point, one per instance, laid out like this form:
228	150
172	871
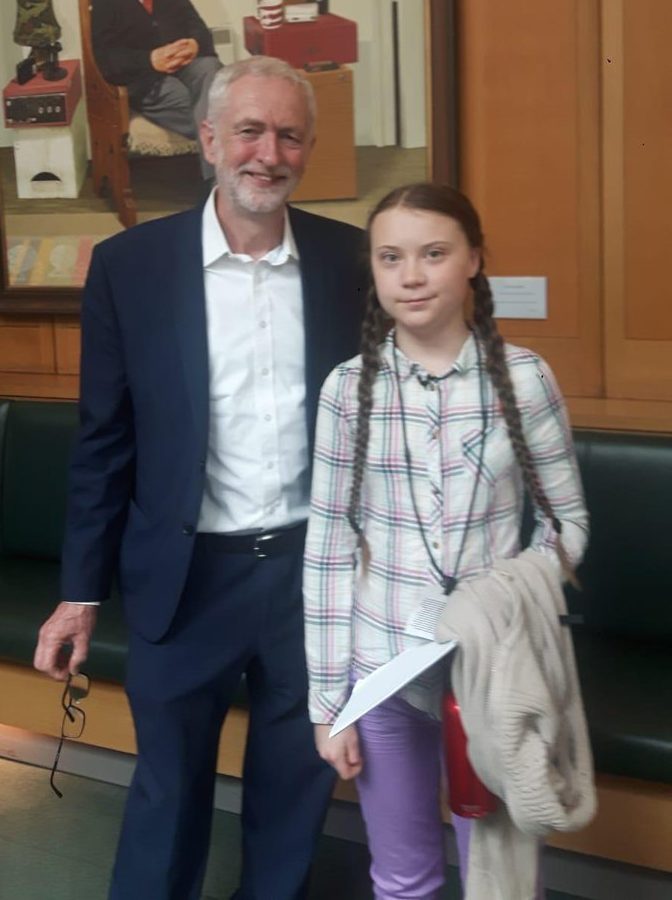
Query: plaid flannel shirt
355	622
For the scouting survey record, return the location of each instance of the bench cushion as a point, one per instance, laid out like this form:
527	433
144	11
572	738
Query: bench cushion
627	692
146	138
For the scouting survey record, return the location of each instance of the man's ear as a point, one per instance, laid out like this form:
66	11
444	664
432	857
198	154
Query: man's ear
207	136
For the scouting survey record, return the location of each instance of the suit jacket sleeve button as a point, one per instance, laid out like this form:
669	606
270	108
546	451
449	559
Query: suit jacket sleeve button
188	529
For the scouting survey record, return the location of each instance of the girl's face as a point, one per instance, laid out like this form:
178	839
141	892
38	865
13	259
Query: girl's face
422	263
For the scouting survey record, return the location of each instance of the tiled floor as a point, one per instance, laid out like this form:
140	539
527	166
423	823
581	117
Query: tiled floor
54	849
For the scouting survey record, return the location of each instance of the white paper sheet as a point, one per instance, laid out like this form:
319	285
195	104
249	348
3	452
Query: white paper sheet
389	679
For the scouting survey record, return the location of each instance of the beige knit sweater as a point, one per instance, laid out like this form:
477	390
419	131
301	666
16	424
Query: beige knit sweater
514	676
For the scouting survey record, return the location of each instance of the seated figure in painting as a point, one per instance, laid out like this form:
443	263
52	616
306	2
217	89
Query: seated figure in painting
163	53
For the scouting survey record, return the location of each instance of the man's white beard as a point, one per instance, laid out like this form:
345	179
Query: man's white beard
246	196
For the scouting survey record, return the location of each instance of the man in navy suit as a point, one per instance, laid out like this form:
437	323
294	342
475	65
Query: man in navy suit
205	339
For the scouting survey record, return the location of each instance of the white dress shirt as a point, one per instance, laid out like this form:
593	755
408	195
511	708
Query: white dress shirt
257	468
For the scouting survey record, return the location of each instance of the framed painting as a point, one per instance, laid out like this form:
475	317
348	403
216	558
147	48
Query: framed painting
55	205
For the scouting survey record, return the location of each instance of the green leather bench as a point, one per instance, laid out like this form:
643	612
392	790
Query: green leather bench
624	649
35	442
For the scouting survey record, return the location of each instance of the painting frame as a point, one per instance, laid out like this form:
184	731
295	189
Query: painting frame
442	149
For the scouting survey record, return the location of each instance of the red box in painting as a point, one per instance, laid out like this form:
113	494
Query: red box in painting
39	102
329	38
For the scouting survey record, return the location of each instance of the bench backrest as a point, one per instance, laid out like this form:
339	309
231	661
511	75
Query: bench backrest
35	442
626	575
627	572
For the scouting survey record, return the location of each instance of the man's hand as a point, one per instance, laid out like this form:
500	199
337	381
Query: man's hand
185	50
172	57
69	624
341	752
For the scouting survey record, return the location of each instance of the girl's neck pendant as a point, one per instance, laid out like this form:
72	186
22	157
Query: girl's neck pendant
449	584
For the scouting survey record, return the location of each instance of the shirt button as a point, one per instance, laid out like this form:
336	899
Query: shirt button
264	371
268	417
262	324
436	545
269	465
188	529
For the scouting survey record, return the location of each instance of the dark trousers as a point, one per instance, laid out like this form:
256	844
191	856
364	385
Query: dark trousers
179	102
239	614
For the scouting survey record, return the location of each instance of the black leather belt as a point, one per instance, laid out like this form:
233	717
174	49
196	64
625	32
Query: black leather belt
263	544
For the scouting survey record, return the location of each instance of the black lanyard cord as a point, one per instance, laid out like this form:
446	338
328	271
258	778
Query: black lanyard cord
448	582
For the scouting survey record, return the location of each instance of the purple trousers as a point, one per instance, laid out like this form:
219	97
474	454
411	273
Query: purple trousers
399	792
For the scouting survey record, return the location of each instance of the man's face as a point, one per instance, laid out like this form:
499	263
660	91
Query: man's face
260	143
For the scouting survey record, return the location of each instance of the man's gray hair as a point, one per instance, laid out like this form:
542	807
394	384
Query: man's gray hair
258	67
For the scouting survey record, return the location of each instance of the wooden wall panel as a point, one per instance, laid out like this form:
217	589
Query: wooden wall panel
528	76
39	357
26	345
647	168
633	823
637	154
66	339
565	145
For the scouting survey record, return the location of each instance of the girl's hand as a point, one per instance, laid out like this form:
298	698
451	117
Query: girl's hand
341	752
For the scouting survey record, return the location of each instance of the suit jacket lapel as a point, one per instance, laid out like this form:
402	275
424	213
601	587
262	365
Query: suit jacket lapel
187	290
315	283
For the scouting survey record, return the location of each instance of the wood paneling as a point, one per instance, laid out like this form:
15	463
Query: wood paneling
637	154
529	150
565	146
39	387
26	345
633	822
39	357
647	165
32	701
620	415
66	338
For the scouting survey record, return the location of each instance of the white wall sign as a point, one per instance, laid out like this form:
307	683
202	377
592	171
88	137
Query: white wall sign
519	298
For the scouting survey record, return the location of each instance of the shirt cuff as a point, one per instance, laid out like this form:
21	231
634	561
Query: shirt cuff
83	602
325	705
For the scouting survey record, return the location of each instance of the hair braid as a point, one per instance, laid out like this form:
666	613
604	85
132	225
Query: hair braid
372	334
498	370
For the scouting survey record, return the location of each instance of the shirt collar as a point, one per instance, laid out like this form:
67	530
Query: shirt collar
216	246
467	358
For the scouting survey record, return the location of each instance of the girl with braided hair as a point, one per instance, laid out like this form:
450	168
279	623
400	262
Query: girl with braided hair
425	443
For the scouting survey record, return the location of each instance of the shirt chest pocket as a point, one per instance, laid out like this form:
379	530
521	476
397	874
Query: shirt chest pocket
488	454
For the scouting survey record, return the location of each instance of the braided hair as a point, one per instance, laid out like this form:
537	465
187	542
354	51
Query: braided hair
446	201
373	330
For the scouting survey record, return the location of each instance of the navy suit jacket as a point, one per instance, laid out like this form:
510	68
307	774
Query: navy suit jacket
138	468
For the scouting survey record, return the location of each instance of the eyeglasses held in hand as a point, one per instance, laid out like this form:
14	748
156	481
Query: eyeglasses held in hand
74	718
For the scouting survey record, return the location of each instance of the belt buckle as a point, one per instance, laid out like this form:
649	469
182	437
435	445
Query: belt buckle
259	551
